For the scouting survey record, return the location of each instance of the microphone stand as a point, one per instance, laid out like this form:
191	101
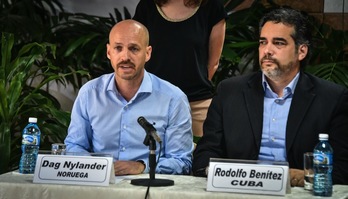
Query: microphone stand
150	141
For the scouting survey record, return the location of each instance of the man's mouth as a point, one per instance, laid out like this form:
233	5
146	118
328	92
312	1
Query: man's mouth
127	65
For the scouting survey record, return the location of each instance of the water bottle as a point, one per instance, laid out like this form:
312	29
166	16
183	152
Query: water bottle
322	163
30	147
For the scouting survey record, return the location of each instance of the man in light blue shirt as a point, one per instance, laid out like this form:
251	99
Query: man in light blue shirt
275	117
105	112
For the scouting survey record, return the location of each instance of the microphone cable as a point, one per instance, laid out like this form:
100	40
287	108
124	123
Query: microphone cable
148	186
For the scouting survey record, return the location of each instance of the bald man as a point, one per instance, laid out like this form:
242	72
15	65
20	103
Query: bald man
105	112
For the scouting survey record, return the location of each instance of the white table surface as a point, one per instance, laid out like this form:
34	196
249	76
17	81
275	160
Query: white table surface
21	186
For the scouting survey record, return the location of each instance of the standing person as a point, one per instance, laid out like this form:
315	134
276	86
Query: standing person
278	113
187	37
104	115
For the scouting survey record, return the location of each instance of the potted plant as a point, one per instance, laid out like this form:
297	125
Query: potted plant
23	78
29	64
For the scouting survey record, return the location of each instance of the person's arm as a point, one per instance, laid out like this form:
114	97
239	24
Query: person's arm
216	42
178	140
79	131
123	167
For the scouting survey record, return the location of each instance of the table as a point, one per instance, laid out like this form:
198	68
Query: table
15	185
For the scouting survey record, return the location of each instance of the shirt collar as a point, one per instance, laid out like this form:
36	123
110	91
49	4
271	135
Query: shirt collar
145	86
289	89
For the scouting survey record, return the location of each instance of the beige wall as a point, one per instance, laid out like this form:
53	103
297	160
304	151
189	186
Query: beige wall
99	7
333	12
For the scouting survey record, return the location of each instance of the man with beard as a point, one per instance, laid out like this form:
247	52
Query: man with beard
277	113
105	113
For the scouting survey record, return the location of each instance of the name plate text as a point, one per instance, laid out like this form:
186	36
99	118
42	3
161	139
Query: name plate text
247	177
79	170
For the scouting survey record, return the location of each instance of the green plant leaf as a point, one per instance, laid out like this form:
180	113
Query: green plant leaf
79	43
7	41
22	95
14	92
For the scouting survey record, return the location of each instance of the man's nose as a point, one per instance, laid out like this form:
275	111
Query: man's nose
268	50
125	55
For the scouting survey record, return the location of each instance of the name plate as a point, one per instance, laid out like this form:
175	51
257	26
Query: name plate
244	176
72	169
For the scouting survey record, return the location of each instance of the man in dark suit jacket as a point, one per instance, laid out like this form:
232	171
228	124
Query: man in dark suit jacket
239	124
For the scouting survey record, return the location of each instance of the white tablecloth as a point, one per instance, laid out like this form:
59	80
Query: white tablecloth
16	186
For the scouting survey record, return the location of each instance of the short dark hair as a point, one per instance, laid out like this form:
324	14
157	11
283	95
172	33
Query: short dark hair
299	20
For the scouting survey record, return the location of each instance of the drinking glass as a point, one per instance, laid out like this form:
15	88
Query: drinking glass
58	149
308	170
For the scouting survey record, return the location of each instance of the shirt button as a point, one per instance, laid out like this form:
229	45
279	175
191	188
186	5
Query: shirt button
273	119
273	139
277	101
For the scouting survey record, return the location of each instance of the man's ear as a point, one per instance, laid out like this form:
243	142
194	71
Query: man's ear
148	53
302	52
107	51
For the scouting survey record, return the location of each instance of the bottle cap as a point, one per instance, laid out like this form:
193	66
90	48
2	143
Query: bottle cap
32	120
323	136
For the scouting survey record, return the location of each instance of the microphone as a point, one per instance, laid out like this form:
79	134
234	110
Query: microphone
150	140
149	128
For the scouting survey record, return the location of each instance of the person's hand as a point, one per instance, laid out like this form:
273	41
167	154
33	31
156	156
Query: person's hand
128	167
296	177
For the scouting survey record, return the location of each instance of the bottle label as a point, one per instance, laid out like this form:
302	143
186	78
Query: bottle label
322	158
30	139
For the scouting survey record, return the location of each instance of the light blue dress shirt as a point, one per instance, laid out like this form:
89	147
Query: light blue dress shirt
275	117
103	121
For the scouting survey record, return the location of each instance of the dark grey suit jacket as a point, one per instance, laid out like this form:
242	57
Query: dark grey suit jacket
233	127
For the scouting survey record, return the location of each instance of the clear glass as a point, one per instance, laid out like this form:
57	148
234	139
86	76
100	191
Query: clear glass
58	149
308	170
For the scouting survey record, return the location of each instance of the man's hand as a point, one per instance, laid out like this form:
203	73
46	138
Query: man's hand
128	167
296	177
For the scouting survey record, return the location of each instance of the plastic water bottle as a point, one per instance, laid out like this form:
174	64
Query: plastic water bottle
322	163
30	146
